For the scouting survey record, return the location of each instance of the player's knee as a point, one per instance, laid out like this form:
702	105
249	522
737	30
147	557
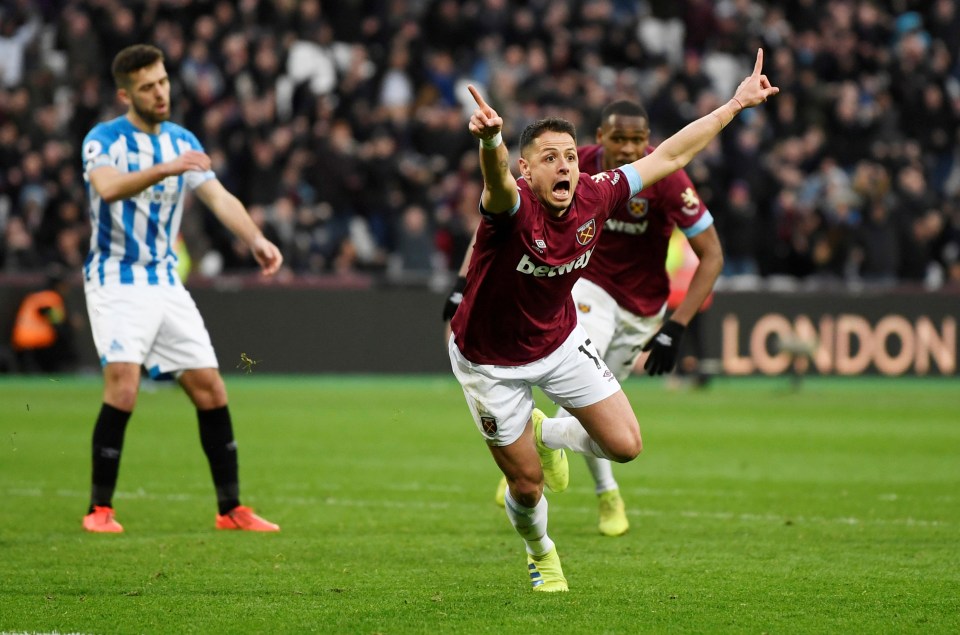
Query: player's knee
217	394
208	399
121	395
124	399
626	449
526	491
206	389
121	385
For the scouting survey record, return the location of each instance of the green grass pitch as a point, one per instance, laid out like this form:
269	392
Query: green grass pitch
755	508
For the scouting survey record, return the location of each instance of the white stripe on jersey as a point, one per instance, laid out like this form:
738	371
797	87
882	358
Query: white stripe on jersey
133	239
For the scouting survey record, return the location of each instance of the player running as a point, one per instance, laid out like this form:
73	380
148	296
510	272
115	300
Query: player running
621	299
517	326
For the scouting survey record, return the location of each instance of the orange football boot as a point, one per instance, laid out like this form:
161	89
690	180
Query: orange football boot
101	520
243	518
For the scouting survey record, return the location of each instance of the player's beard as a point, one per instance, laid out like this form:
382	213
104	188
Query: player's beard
150	117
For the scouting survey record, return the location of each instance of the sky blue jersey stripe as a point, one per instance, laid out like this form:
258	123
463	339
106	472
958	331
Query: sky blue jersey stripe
134	239
131	248
104	225
633	178
701	225
153	220
131	251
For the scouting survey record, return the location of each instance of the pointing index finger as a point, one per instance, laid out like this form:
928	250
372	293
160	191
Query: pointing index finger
759	64
476	96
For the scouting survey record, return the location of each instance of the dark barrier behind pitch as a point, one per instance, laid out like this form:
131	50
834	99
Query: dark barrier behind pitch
397	330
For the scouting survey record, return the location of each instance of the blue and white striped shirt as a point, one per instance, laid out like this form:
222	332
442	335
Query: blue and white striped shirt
133	239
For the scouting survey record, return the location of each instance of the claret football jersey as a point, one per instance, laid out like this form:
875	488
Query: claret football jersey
517	306
630	262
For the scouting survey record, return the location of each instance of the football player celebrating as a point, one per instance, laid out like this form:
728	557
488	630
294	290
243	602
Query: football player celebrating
517	327
621	299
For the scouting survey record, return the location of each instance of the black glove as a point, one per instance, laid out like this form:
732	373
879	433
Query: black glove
454	299
664	347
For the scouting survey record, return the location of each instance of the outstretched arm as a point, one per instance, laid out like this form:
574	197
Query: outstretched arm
679	150
499	187
231	212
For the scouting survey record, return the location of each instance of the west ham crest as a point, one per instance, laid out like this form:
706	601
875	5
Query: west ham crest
489	425
638	207
586	232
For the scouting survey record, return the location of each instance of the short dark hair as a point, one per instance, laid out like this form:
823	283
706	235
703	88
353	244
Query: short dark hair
623	107
132	59
551	124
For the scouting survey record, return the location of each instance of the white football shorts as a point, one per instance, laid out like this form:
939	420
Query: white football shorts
500	398
618	334
158	327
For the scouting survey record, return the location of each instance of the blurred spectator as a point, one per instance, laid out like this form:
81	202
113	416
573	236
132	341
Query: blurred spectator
19	254
17	32
43	330
416	252
739	225
877	247
662	31
334	119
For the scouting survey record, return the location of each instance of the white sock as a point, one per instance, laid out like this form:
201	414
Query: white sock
600	469
602	472
567	433
530	523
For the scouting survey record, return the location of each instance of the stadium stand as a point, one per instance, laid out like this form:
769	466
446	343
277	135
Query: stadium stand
340	123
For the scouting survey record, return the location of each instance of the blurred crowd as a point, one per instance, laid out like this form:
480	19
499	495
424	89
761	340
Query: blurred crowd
341	124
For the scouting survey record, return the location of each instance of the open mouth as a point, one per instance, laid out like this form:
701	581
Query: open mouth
561	189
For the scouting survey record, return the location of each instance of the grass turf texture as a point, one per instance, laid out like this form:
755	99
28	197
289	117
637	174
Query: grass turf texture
754	508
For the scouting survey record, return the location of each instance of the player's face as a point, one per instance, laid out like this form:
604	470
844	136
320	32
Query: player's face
624	139
148	94
551	168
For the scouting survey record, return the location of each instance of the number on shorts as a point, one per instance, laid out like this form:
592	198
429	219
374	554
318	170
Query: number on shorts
583	349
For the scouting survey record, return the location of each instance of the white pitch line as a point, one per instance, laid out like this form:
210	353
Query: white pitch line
307	501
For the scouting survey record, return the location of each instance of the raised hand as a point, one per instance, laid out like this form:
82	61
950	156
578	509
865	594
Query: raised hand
485	123
756	88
